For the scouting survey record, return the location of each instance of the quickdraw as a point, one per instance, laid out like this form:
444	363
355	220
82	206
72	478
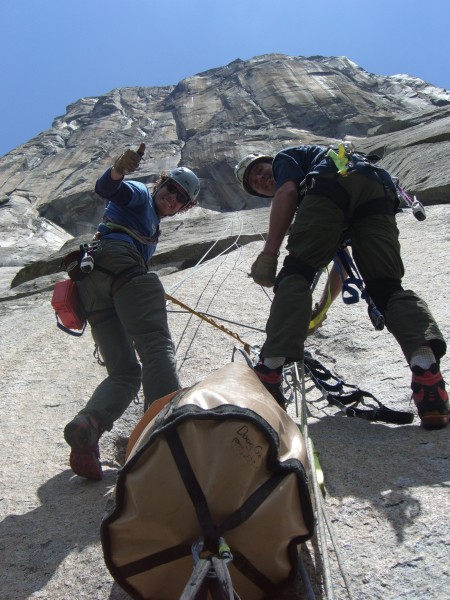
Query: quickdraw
353	286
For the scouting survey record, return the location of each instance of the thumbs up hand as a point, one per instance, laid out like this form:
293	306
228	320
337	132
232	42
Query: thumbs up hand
129	161
141	149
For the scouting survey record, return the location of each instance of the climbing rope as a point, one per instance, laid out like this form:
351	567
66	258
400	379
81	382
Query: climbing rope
209	320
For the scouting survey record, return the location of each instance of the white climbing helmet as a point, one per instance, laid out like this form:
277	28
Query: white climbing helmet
243	167
189	181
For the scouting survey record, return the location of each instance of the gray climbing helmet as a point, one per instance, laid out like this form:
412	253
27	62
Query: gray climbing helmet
189	181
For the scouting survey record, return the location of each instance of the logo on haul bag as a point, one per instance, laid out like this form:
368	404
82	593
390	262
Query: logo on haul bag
66	304
213	492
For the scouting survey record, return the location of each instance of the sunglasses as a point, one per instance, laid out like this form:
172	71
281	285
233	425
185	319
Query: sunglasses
172	189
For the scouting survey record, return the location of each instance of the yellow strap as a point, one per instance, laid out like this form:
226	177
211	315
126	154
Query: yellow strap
210	321
321	315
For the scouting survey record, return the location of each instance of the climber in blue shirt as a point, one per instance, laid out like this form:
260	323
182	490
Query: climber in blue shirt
125	304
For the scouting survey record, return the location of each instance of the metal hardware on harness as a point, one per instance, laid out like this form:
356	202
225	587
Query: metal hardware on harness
197	548
341	157
223	550
417	207
87	262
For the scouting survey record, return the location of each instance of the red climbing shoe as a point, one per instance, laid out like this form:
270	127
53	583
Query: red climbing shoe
82	435
430	397
271	380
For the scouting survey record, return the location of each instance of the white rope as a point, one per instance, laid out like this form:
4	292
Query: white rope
200	263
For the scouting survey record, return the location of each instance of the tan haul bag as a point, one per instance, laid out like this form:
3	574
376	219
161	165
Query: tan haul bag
216	477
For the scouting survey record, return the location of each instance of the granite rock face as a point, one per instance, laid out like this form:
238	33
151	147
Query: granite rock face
208	122
386	486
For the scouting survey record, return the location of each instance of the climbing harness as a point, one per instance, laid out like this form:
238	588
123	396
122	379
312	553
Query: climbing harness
133	233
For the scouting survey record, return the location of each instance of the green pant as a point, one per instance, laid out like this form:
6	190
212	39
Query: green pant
132	320
315	236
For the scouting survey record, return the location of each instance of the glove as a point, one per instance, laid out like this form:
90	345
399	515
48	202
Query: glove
264	270
129	161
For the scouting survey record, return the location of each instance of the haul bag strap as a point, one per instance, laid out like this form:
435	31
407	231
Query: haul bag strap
153	560
223	578
252	503
244	566
210	531
210	574
196	581
191	484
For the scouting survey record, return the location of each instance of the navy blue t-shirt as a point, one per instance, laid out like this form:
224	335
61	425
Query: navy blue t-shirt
297	162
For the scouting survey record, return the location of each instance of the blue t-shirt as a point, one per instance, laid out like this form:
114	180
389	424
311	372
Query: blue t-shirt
130	214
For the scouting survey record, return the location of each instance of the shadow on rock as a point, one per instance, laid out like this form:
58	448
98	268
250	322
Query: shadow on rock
381	464
34	544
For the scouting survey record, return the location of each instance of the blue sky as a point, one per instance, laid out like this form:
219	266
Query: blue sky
55	52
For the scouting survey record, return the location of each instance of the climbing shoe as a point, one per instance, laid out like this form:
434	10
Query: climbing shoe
271	380
82	435
430	397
